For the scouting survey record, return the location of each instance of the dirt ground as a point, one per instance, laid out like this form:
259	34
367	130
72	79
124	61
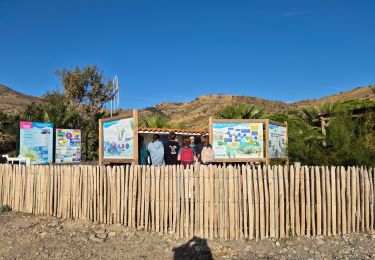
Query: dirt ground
25	236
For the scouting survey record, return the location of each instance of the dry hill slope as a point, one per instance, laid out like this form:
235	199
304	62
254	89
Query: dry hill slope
195	114
11	101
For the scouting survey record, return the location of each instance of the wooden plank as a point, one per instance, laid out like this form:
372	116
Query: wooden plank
186	203
303	200
211	201
157	199
232	234
313	201
367	200
338	198
257	203
292	202
147	198
350	205
245	205
297	201
166	200
308	202
175	198
353	199
277	201
357	204
152	200
182	201
271	185
217	207
362	199
287	199
161	204
329	200
262	213
221	204
171	197
281	202
239	203
324	193
236	208
334	203
266	172
201	200
226	203
343	201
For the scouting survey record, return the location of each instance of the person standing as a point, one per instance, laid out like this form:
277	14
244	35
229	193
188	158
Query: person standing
198	146
143	153
171	149
156	150
187	153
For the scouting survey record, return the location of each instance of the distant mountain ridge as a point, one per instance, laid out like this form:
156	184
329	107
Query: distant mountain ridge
195	113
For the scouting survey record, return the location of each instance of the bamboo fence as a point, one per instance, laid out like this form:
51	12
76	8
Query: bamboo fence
215	202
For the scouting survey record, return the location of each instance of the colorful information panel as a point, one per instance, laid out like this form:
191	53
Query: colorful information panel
118	139
36	142
68	145
237	140
278	141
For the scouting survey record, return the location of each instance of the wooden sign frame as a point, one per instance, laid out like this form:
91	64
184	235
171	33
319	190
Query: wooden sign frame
104	161
266	151
215	120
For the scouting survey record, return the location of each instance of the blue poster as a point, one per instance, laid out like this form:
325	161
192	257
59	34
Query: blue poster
36	142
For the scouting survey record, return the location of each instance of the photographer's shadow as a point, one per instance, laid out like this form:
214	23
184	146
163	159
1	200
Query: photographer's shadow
195	248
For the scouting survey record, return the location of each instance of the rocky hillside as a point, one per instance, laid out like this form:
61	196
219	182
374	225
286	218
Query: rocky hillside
12	101
195	114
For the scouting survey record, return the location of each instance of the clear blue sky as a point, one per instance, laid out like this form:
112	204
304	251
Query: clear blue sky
177	50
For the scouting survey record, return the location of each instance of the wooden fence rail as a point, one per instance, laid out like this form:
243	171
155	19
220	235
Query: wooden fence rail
215	202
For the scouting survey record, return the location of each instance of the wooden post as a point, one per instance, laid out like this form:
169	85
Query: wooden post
343	201
333	197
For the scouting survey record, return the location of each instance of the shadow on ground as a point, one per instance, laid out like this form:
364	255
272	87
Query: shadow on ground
195	248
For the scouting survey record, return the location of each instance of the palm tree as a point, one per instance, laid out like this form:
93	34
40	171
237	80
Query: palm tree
154	121
240	111
315	116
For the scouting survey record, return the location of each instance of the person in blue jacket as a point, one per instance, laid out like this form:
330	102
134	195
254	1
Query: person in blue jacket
156	150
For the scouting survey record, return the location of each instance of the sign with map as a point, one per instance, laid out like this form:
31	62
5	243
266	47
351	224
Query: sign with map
277	141
237	140
118	139
36	142
68	145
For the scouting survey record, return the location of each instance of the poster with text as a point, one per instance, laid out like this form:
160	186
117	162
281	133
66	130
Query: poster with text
237	140
36	142
118	139
278	141
68	145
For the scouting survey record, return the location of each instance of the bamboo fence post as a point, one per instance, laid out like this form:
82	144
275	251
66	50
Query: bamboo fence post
292	205
261	203
343	201
367	201
357	204
338	196
333	197
161	205
308	202
245	205
250	191
257	208
353	199
266	171
362	199
232	234
303	201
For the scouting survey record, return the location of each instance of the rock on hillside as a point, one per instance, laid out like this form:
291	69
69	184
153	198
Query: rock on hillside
12	101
